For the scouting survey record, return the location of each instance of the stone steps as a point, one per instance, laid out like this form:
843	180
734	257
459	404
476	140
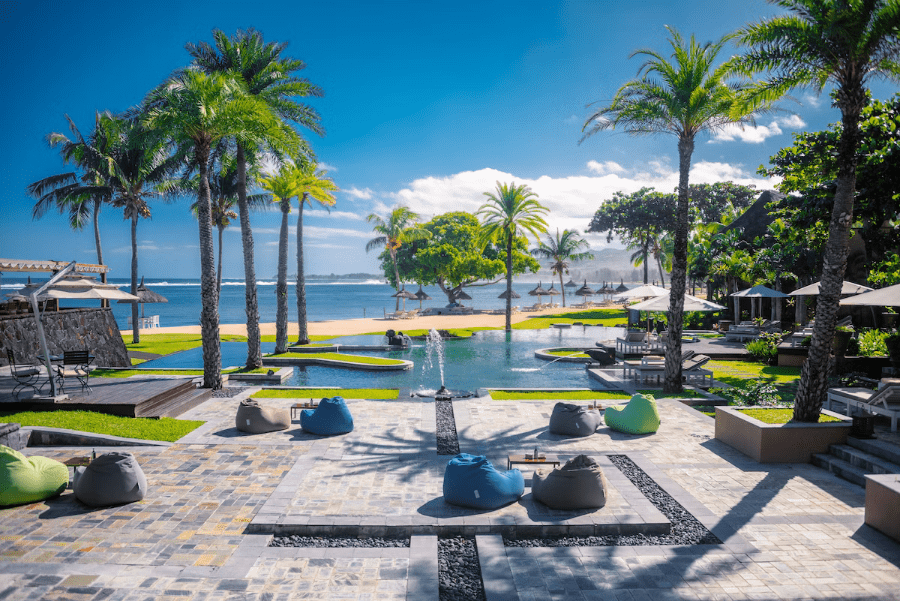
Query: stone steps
852	461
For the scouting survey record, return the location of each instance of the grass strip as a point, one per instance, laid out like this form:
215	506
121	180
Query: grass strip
165	429
313	337
574	353
781	416
583	395
166	344
338	357
312	393
732	372
459	332
127	373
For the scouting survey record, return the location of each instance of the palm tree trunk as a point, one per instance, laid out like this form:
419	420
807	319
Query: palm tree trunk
813	387
509	245
209	311
396	277
221	229
95	214
662	279
646	253
135	322
281	301
254	350
303	334
679	270
562	289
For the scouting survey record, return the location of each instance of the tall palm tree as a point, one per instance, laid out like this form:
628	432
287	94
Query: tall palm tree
844	43
79	197
312	184
283	186
194	111
561	249
270	77
511	212
399	228
683	97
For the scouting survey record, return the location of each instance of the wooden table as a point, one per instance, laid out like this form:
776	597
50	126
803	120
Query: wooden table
547	459
300	407
78	461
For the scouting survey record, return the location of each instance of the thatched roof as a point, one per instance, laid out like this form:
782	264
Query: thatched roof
756	219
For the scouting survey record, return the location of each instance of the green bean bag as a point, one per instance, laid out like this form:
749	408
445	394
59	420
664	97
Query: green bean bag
29	479
639	416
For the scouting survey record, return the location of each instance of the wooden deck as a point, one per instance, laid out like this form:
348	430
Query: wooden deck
129	397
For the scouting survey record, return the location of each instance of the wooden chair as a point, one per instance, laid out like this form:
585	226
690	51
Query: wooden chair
75	364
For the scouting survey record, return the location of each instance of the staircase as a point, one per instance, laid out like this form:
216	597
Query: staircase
174	401
852	461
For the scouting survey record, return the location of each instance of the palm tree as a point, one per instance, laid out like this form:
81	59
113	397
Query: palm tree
194	111
845	43
561	249
283	186
268	76
399	228
683	98
312	184
513	211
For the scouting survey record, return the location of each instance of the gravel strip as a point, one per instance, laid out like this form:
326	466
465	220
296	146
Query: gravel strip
459	573
686	529
445	431
226	393
318	541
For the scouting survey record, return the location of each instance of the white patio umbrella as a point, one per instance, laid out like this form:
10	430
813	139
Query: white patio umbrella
691	303
846	288
645	291
759	291
883	297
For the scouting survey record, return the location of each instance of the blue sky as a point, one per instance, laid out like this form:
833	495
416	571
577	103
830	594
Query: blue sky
425	103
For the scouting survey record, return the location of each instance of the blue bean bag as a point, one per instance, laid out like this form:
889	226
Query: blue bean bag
331	417
471	481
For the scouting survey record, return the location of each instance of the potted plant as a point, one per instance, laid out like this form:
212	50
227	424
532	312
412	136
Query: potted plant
893	347
842	336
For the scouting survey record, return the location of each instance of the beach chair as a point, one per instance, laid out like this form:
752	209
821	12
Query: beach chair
633	342
884	401
691	370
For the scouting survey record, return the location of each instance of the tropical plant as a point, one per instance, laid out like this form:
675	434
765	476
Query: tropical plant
561	249
312	184
398	228
684	97
886	272
270	77
511	211
193	111
765	348
845	43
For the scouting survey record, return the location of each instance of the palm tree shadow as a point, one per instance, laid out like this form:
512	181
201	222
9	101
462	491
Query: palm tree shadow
439	508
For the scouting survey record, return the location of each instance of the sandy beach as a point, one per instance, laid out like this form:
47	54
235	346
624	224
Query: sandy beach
348	327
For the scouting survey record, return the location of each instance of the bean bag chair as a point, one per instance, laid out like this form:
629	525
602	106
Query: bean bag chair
330	417
574	420
471	481
111	479
29	479
255	419
579	484
639	416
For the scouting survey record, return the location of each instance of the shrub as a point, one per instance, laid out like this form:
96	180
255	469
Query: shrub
761	393
872	343
765	348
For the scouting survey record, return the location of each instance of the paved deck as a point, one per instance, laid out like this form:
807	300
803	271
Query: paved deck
789	531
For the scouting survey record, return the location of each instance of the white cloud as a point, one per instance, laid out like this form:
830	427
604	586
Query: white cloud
792	121
813	100
572	200
327	167
364	194
332	214
572	119
320	233
748	133
329	245
605	167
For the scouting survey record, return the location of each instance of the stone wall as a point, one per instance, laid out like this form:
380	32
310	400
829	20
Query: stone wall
93	329
12	436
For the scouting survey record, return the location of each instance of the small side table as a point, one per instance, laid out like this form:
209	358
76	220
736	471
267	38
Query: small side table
547	459
300	407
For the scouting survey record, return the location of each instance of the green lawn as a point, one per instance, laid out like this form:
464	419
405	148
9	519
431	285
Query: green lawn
313	337
312	393
734	373
780	416
460	332
337	357
574	353
166	344
127	373
582	395
597	317
165	429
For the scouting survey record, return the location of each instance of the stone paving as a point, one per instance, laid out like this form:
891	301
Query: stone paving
788	531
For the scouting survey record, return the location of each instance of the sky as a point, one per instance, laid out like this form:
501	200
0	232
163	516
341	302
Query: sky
425	104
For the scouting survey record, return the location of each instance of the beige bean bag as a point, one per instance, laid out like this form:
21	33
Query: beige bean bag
579	484
256	419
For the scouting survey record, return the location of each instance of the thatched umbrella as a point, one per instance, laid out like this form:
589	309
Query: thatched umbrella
461	295
585	291
538	291
404	295
145	295
513	295
571	284
622	287
422	296
551	291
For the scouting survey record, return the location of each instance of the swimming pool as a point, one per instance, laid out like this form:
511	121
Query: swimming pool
489	359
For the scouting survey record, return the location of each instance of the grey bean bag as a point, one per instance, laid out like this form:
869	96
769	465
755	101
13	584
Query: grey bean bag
579	484
574	420
254	418
111	479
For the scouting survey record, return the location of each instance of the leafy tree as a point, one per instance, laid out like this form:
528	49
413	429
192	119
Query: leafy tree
711	202
637	219
684	97
398	228
271	78
511	211
312	184
845	43
886	272
562	249
193	111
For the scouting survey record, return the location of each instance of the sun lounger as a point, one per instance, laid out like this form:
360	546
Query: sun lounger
648	370
885	401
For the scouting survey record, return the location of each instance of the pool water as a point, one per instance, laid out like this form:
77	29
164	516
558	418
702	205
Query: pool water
489	359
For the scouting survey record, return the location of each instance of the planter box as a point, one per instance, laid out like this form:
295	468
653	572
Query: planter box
778	443
883	503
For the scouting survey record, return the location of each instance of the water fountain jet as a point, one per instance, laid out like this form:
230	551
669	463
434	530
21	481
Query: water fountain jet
434	347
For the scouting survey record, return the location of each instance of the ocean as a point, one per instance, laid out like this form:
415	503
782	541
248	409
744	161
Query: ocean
325	300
